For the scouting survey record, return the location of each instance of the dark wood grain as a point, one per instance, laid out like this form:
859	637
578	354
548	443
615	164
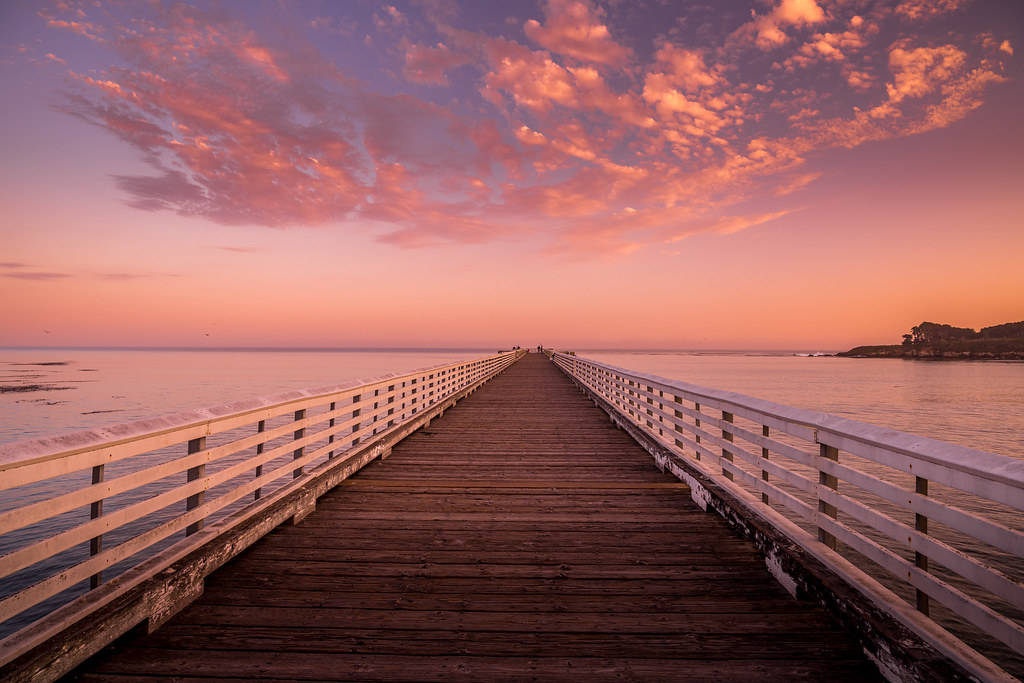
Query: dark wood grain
518	537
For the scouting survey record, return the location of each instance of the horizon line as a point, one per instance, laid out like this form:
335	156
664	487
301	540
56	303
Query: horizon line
390	348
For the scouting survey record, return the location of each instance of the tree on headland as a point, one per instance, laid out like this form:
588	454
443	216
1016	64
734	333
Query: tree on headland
1004	331
934	334
936	340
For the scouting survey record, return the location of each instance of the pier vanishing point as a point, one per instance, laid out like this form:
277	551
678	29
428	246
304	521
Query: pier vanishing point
522	517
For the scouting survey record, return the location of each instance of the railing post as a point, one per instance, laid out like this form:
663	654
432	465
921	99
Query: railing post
921	561
376	415
95	511
260	426
330	439
296	435
661	408
391	399
355	413
679	414
764	454
727	435
650	402
829	453
197	472
696	420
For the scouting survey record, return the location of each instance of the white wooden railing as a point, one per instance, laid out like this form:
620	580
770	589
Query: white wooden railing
835	485
179	472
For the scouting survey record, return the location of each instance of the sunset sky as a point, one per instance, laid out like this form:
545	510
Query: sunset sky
803	174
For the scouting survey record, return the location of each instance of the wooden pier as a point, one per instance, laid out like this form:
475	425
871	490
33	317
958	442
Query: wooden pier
519	537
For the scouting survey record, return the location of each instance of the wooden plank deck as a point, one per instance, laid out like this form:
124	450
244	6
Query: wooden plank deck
519	537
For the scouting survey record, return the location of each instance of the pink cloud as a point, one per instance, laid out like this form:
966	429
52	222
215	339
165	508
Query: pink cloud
728	225
572	28
82	28
38	276
797	183
574	139
427	65
239	250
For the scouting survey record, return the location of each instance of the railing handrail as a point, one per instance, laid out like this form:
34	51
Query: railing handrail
15	454
983	464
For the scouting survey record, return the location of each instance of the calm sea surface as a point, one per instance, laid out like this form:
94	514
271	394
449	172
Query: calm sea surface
973	403
48	392
84	388
979	404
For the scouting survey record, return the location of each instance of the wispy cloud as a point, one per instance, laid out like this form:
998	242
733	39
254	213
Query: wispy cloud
127	276
18	271
37	275
239	250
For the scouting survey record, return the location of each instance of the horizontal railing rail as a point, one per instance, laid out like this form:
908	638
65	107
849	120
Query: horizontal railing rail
177	473
880	503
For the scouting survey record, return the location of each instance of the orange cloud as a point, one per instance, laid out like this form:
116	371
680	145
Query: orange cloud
533	79
572	28
686	68
923	9
766	32
918	71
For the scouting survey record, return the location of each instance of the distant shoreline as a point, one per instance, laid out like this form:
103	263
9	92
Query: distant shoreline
897	351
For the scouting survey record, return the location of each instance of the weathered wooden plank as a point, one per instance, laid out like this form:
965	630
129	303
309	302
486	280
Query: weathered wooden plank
778	645
765	601
553	571
719	584
329	666
533	558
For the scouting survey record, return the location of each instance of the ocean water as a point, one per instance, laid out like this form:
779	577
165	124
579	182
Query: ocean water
52	391
978	404
45	392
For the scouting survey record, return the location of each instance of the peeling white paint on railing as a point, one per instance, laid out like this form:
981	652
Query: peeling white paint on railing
734	440
334	419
